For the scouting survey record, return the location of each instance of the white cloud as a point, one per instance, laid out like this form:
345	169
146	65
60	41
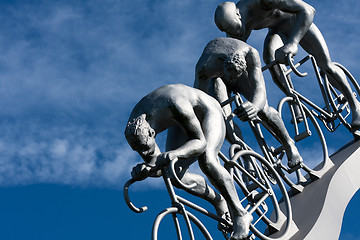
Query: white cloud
63	155
70	74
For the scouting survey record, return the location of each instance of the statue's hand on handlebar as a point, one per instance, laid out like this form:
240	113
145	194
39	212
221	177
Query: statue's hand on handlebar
165	158
246	111
282	53
141	171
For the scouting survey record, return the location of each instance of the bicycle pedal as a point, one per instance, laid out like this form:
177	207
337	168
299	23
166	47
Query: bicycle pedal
295	168
299	119
341	99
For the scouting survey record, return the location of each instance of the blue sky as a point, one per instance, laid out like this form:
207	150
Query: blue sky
70	73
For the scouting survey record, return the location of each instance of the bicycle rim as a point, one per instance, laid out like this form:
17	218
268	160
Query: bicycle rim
310	142
261	198
178	225
337	101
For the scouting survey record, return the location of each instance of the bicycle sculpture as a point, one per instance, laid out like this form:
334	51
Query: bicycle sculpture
188	111
250	185
258	197
290	23
303	121
255	186
230	65
336	108
275	154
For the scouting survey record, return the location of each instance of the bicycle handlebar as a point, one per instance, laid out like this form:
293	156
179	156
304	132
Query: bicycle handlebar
172	172
290	61
127	198
238	100
175	177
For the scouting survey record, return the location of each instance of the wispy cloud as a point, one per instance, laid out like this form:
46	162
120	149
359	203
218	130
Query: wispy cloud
65	155
70	73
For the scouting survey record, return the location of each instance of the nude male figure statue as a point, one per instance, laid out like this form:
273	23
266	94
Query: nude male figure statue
197	119
290	22
230	65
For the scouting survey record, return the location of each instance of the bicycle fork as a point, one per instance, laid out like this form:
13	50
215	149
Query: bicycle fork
181	209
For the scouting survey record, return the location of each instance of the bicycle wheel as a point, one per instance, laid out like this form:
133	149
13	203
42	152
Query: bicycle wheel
310	142
260	197
337	100
184	221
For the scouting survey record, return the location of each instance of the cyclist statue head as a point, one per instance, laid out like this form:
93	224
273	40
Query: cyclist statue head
228	19
186	113
140	135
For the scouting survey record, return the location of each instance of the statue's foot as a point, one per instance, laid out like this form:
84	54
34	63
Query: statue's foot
355	112
294	158
221	207
295	162
241	226
248	165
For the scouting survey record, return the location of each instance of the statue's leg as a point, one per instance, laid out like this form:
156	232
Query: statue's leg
314	43
272	120
273	41
175	139
214	131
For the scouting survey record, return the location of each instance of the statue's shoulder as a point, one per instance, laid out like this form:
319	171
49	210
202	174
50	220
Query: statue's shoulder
222	41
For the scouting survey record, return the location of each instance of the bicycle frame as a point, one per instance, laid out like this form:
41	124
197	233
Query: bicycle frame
269	153
325	114
176	202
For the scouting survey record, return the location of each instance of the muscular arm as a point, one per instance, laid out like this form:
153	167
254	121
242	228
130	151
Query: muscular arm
216	88
201	82
257	92
208	79
184	114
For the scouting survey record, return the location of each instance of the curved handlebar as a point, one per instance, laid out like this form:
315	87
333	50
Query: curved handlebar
238	100
131	181
127	198
293	67
173	174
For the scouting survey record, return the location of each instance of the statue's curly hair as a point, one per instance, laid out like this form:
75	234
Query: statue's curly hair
235	61
137	128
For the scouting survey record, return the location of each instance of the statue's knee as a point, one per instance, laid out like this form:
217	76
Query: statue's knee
206	166
268	56
328	67
264	113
